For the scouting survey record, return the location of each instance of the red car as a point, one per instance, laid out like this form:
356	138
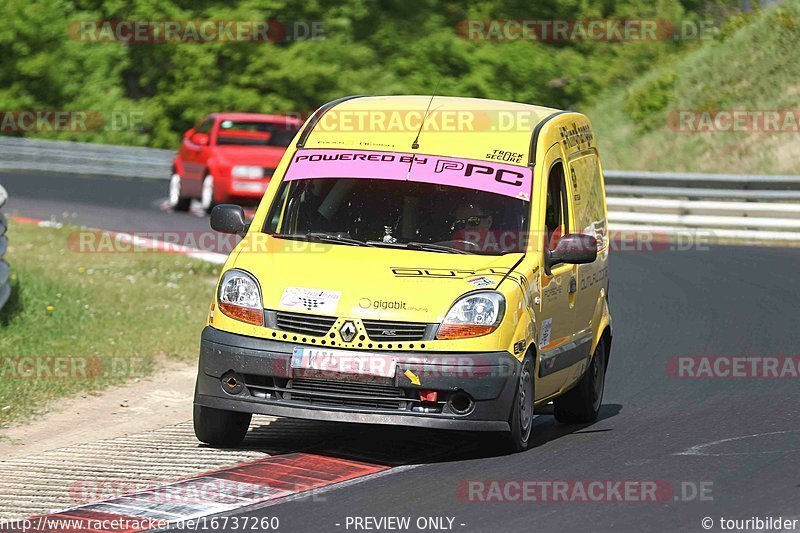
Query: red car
229	158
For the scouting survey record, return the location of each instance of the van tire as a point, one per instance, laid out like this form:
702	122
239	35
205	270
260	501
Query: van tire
582	403
218	428
521	417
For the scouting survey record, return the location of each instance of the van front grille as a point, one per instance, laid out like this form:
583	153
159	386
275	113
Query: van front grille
380	396
314	325
348	394
378	330
383	330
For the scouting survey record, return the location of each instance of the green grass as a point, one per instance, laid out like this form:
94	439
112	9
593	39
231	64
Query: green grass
749	66
115	315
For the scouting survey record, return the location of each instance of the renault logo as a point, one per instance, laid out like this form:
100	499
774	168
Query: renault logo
348	331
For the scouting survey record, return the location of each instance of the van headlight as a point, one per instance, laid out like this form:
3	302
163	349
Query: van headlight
239	297
473	315
253	173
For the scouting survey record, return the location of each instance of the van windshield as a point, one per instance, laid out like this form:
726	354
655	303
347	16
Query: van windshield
402	214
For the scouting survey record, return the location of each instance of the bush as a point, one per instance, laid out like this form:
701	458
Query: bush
646	104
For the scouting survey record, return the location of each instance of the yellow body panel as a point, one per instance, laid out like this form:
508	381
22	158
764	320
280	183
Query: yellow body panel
456	127
424	285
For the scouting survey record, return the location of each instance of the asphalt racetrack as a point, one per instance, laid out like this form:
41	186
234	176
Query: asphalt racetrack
717	447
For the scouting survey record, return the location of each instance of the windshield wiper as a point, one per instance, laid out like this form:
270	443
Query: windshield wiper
320	236
428	247
290	236
334	237
424	246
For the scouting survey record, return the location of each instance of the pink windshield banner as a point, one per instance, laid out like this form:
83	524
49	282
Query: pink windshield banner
498	178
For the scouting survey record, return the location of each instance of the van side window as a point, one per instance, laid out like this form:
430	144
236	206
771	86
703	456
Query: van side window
590	211
556	216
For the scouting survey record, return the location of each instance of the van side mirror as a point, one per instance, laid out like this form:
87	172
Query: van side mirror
229	218
573	249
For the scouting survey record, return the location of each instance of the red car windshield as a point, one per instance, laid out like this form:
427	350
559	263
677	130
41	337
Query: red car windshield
240	133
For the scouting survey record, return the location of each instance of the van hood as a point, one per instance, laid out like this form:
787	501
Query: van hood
365	282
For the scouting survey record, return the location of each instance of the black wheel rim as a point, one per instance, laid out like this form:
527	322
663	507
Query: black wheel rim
598	371
525	405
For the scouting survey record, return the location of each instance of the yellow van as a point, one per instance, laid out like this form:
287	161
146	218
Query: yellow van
437	262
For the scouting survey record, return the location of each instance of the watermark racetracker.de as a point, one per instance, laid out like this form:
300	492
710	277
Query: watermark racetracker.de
616	30
734	367
21	121
205	490
92	241
195	31
583	491
71	367
734	120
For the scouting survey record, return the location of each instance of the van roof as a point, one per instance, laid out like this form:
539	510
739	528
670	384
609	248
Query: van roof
471	128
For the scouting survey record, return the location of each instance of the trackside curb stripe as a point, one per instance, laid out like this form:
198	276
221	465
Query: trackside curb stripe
212	493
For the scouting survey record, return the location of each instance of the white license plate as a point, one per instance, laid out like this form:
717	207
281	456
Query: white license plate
249	186
344	362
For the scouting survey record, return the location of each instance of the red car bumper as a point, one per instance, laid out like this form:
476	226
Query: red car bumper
242	189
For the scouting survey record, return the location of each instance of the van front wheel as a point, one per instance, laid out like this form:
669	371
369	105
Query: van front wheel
219	428
582	403
521	417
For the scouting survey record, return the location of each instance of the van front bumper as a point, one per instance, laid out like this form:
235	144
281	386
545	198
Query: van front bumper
266	383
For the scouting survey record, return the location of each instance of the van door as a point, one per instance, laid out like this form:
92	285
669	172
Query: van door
589	214
556	320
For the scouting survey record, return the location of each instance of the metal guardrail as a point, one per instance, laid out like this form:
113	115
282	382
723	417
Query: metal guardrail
5	287
84	158
736	207
731	206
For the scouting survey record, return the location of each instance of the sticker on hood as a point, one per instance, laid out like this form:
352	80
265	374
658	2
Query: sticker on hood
482	281
304	299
